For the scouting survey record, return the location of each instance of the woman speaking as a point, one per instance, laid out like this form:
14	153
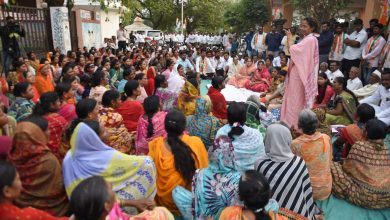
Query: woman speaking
301	89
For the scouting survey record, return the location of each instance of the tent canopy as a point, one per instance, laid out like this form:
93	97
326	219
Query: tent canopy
138	25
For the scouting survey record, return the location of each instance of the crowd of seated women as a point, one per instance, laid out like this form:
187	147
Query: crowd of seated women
132	141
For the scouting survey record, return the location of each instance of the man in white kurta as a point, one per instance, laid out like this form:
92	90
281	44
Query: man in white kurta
380	100
258	42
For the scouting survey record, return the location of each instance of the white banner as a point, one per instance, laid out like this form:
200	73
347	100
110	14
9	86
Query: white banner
60	28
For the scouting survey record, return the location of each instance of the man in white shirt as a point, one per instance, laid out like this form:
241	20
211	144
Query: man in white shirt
226	61
334	71
338	46
372	51
324	68
276	60
204	66
354	82
121	37
141	37
191	38
197	38
175	38
225	40
370	88
217	61
258	43
380	100
355	43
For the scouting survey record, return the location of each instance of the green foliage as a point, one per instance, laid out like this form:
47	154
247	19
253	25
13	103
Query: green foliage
322	10
246	14
201	15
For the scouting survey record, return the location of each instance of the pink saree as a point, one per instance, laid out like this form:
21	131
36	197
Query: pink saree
301	83
142	141
239	80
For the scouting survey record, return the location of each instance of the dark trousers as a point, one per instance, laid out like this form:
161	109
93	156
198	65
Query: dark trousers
220	72
366	73
347	64
8	58
207	76
122	45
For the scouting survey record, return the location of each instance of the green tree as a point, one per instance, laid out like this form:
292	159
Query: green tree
201	15
321	10
246	13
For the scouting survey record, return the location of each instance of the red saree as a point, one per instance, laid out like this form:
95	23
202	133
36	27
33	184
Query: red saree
39	170
260	81
9	211
219	103
57	127
131	111
150	87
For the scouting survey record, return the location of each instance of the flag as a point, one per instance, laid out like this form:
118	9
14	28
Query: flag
185	23
384	18
178	24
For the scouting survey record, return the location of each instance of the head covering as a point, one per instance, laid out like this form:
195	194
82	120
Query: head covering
202	124
322	126
43	83
277	143
252	112
29	132
29	141
376	72
6	144
213	188
221	155
39	170
131	177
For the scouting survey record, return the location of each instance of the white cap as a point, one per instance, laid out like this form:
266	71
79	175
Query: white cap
376	72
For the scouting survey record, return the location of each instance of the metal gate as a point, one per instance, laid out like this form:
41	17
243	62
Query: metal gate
36	23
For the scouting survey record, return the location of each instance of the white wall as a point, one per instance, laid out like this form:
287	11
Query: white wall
109	23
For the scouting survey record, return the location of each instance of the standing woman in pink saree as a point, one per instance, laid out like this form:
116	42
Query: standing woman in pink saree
301	82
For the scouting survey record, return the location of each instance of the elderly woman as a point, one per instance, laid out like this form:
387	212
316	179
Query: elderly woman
39	170
287	173
315	149
202	124
364	177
